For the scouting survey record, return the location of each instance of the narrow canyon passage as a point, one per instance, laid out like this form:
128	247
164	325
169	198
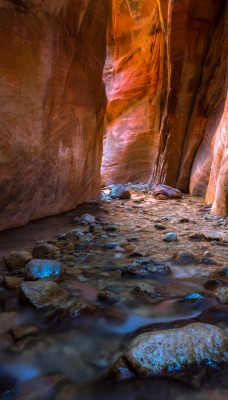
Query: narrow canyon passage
113	285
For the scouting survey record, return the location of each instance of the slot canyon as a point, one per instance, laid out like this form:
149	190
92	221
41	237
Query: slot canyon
114	199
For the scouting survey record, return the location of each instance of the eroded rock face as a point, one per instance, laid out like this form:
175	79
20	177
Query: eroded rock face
166	78
52	105
134	83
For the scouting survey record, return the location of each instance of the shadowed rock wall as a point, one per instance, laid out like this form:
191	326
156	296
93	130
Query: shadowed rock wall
52	103
166	76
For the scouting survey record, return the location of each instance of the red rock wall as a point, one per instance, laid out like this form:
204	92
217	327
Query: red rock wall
133	75
166	76
52	103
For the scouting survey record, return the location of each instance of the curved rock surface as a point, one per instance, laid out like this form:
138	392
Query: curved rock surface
52	101
166	79
164	353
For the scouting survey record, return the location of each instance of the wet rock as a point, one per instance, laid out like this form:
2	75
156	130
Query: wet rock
120	192
78	310
107	297
42	294
17	259
208	254
209	235
170	237
154	294
110	228
43	250
185	258
222	294
166	191
143	267
221	271
42	269
192	298
183	220
8	320
208	261
12	282
88	218
137	253
167	353
160	227
20	332
214	283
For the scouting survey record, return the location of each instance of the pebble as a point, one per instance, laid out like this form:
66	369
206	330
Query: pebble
160	227
17	259
170	237
107	297
208	254
78	310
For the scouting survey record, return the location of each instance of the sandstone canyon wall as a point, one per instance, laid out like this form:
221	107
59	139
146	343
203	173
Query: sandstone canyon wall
53	101
166	78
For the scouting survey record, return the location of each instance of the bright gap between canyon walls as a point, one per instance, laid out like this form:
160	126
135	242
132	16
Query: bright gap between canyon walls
166	119
166	83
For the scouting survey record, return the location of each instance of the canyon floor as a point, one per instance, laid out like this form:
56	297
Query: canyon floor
60	348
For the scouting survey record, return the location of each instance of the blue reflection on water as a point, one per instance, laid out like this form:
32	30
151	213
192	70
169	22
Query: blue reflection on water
134	322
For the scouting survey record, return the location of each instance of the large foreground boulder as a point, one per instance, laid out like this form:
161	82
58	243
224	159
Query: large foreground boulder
165	353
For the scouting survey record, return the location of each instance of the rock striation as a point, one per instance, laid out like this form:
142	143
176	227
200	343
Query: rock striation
52	105
166	79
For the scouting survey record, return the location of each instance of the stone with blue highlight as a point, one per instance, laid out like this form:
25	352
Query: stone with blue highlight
170	352
43	269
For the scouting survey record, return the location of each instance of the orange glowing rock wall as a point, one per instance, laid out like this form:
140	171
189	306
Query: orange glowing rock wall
166	78
52	104
133	74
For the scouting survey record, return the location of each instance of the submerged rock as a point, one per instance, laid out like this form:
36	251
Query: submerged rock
184	258
163	192
42	269
78	310
120	192
17	259
107	297
42	294
143	267
167	353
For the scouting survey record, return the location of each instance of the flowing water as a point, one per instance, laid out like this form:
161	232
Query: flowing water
45	356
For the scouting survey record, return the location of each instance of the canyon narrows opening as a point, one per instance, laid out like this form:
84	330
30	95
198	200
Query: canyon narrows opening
121	291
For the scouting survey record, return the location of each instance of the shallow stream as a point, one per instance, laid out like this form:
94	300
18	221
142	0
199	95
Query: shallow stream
47	356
